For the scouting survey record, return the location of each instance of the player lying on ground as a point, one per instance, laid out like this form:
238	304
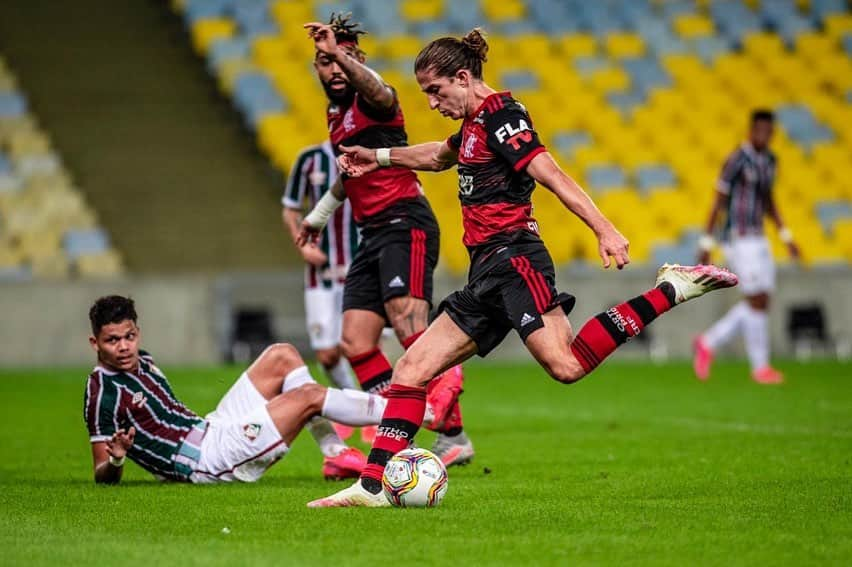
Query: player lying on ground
390	279
743	199
131	411
511	282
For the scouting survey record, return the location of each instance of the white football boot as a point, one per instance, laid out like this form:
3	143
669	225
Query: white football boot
690	282
354	496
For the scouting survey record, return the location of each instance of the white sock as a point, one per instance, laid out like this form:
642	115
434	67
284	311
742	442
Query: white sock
353	407
727	327
330	443
756	334
341	375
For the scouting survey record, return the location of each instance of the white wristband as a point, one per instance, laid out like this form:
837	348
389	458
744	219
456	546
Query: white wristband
323	210
383	157
117	463
786	235
706	243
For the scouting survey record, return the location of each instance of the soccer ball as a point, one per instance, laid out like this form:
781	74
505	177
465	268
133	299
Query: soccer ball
415	478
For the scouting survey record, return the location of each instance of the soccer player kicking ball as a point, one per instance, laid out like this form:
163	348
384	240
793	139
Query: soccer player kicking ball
131	411
511	280
390	279
743	199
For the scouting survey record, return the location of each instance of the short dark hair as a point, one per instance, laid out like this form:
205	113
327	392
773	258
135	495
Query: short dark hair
762	115
111	309
446	56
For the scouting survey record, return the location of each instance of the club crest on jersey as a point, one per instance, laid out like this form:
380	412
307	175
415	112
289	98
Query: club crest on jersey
515	136
251	430
465	184
468	146
139	399
317	177
349	120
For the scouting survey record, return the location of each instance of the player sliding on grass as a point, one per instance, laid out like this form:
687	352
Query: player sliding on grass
131	411
511	280
390	279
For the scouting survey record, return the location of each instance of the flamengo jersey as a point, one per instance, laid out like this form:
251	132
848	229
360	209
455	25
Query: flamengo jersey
144	400
360	124
314	172
747	179
495	145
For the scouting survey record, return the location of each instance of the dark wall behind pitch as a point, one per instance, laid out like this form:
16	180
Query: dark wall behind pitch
162	157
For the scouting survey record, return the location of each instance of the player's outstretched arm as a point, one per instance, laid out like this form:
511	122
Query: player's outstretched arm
108	456
611	243
430	156
315	221
367	82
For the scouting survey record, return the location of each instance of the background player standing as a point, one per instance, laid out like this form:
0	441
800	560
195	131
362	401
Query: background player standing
314	172
511	283
390	279
743	198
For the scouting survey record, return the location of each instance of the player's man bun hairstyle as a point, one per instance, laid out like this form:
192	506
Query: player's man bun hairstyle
111	309
445	56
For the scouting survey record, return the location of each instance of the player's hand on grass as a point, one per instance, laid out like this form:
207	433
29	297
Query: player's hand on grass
612	244
323	37
356	161
704	257
313	255
308	234
120	442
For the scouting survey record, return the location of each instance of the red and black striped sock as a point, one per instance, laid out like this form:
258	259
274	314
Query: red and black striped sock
400	423
373	370
605	332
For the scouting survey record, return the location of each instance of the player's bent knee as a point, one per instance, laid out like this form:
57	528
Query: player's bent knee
408	373
566	373
311	395
328	358
284	356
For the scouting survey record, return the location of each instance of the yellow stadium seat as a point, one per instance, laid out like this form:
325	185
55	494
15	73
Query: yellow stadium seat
837	25
763	45
609	79
400	47
206	31
503	10
690	26
578	45
103	265
55	267
843	237
290	16
814	44
421	10
624	45
230	70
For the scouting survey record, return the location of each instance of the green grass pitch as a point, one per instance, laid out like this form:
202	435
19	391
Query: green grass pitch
639	464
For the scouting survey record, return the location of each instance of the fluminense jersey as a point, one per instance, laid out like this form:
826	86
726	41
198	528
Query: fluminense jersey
144	400
314	172
377	192
747	179
495	144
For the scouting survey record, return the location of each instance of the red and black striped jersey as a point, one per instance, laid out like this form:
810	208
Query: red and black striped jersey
495	144
374	193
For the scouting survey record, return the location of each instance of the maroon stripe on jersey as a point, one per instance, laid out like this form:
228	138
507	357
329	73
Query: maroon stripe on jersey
417	261
152	426
481	222
94	391
339	237
162	395
522	163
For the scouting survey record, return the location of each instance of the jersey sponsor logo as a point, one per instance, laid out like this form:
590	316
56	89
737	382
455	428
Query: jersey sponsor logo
396	282
392	432
465	184
252	430
527	319
468	146
349	120
515	136
139	399
622	322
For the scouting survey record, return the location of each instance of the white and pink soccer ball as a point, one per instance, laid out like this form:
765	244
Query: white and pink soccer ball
415	478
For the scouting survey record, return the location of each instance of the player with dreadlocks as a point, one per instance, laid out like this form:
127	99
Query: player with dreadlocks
390	279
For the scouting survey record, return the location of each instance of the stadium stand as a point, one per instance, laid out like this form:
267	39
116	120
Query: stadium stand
47	230
641	100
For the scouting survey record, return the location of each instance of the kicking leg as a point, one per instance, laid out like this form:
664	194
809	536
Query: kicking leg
442	346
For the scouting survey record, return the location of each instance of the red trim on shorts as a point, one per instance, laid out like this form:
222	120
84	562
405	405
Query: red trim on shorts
535	282
417	263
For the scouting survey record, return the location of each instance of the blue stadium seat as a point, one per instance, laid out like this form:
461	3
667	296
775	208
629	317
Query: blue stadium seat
605	177
822	8
646	73
830	212
710	47
625	102
5	165
83	242
255	96
519	80
847	44
673	254
12	104
588	65
566	142
675	8
201	9
651	176
464	16
227	48
802	126
774	12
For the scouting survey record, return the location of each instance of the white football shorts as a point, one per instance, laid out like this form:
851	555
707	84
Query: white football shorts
324	316
750	258
241	441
